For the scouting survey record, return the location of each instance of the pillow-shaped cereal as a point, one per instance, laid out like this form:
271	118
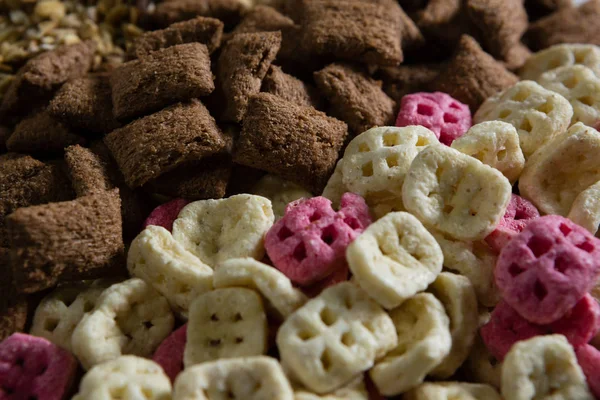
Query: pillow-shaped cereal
482	366
538	114
458	297
518	214
225	323
129	318
335	188
376	161
334	337
561	55
585	210
394	259
454	193
174	272
126	377
546	269
476	261
580	86
34	368
249	378
447	117
58	313
588	358
216	230
165	214
452	391
274	286
423	342
543	367
561	170
496	144
280	192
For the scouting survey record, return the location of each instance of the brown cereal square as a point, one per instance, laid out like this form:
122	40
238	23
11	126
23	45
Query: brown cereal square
205	179
171	11
41	134
88	173
355	97
263	19
85	104
208	31
243	63
153	145
405	79
567	25
72	240
352	30
290	88
298	143
473	75
42	75
161	78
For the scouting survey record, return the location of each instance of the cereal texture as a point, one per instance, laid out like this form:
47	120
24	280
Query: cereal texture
290	88
585	210
161	78
298	143
405	79
263	19
169	12
561	55
355	98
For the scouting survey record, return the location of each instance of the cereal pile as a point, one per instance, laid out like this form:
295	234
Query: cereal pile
300	200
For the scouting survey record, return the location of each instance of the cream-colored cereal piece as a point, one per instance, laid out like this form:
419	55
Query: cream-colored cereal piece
580	86
476	261
280	192
496	144
250	378
335	187
561	55
561	170
58	313
225	323
334	337
423	342
585	210
129	318
452	391
356	390
376	161
538	113
217	230
125	378
457	295
394	259
174	272
544	367
275	287
482	366
455	193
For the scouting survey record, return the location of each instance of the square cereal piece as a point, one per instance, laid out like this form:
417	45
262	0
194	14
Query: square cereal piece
473	75
72	240
161	78
205	179
405	79
85	104
352	30
297	143
41	134
567	25
25	181
169	12
290	88
150	146
263	19
355	97
42	75
88	173
243	63
208	31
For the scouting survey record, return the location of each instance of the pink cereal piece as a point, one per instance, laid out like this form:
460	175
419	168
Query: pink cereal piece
448	118
505	328
518	214
309	242
169	354
165	214
547	268
581	323
34	368
589	361
339	275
